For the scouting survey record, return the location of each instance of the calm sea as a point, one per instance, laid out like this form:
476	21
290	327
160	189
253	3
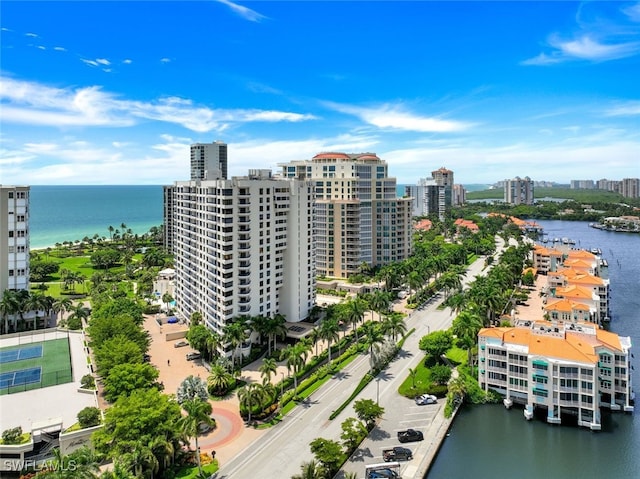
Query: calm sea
69	213
491	442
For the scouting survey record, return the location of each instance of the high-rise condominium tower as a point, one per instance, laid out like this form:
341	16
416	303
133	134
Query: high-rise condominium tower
209	161
358	216
243	247
519	191
14	238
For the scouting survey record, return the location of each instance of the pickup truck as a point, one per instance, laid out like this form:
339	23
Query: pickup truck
410	435
397	454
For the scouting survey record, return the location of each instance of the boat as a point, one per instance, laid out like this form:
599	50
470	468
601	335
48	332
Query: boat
556	240
565	240
596	251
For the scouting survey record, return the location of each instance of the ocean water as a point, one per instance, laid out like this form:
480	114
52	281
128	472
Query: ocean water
69	213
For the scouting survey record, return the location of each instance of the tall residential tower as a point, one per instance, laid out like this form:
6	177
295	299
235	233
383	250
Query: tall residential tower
14	238
358	217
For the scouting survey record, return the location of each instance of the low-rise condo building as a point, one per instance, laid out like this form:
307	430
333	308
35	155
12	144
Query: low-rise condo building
563	367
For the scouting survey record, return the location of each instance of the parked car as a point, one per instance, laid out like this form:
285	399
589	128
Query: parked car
193	356
397	454
410	435
426	399
181	344
383	474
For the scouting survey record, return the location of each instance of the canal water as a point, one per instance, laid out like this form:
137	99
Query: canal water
490	442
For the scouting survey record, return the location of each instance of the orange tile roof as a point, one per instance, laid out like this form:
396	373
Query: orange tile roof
573	291
424	225
566	305
580	253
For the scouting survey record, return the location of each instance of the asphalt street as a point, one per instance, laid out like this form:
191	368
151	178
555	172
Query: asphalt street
281	451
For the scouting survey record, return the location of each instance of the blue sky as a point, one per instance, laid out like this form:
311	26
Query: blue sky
115	92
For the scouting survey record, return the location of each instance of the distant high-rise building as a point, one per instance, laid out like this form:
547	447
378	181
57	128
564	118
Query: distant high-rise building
519	191
630	187
459	195
427	198
243	247
14	238
582	184
209	161
444	178
358	216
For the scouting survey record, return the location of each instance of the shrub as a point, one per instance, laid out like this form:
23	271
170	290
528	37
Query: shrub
88	417
88	382
74	323
12	436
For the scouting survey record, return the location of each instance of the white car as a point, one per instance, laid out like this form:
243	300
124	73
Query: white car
425	399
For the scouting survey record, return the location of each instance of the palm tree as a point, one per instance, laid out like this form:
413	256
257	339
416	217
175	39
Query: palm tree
267	369
62	305
296	356
111	229
214	343
191	388
379	302
466	327
354	312
166	299
328	331
81	464
37	302
311	470
141	459
22	298
373	339
235	334
163	450
198	412
276	329
79	311
394	325
8	307
251	396
219	379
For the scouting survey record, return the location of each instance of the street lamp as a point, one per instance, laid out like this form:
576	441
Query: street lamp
428	329
282	385
378	391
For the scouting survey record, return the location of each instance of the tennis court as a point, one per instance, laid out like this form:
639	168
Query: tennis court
28	352
35	365
18	378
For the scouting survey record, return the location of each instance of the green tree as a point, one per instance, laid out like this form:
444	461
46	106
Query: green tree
440	373
368	411
219	380
102	328
42	270
77	314
252	397
328	331
89	416
393	325
267	369
310	470
141	416
329	453
373	340
105	258
296	357
125	378
115	352
353	432
191	388
198	412
235	334
436	343
8	307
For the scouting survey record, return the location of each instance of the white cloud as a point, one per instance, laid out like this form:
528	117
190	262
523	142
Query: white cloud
244	12
629	108
103	61
584	48
60	49
41	47
165	60
35	104
395	117
633	12
32	35
92	63
127	61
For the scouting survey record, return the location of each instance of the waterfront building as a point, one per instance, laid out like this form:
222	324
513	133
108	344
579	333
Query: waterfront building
546	260
444	178
459	195
243	247
358	218
630	187
14	238
519	191
209	161
582	184
427	198
563	367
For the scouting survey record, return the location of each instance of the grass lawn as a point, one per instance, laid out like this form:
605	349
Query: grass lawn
422	382
55	363
191	472
457	355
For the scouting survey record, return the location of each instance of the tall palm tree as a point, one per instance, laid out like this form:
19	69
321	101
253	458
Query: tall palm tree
22	298
198	412
111	230
328	331
354	312
296	356
276	329
141	460
235	334
85	465
62	305
379	302
394	325
251	396
268	368
8	307
79	311
466	327
311	470
214	344
373	339
164	452
37	302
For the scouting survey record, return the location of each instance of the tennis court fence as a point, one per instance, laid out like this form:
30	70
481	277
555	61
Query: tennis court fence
51	378
37	336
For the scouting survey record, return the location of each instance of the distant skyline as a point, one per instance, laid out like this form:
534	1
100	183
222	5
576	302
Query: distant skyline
115	92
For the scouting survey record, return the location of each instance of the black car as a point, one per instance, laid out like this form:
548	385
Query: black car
410	435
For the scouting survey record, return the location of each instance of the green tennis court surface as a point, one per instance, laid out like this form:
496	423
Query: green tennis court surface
54	365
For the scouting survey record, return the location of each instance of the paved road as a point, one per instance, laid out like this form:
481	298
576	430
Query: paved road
281	451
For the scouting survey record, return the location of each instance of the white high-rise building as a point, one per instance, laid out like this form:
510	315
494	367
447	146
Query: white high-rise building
358	217
243	247
427	198
14	238
209	161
